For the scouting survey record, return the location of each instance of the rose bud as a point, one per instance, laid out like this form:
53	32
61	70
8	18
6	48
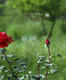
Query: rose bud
47	42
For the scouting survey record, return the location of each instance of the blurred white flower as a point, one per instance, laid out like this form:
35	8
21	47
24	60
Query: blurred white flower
29	72
38	62
42	76
10	55
47	15
53	71
1	67
50	64
21	78
2	77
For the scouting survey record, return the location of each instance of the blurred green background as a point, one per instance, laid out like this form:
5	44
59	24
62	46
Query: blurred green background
25	21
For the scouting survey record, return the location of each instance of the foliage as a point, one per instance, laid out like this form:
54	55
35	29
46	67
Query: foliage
53	7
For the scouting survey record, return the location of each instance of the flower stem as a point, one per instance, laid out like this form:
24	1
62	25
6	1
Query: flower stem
47	67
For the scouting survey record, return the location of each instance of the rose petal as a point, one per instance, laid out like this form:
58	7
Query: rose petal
3	45
10	39
5	39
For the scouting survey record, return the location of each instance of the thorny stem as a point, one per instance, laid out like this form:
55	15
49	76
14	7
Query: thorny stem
9	65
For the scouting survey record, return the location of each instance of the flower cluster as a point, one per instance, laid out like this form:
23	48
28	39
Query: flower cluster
5	39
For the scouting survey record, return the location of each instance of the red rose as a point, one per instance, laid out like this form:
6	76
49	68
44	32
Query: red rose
4	40
47	42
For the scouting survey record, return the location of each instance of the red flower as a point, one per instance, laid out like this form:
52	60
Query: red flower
4	40
47	42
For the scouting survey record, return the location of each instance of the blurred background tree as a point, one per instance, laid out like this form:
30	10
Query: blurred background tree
19	11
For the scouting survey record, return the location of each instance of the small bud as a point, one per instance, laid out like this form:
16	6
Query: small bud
47	42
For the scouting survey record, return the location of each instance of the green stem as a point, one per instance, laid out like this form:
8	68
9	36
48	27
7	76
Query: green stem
47	67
